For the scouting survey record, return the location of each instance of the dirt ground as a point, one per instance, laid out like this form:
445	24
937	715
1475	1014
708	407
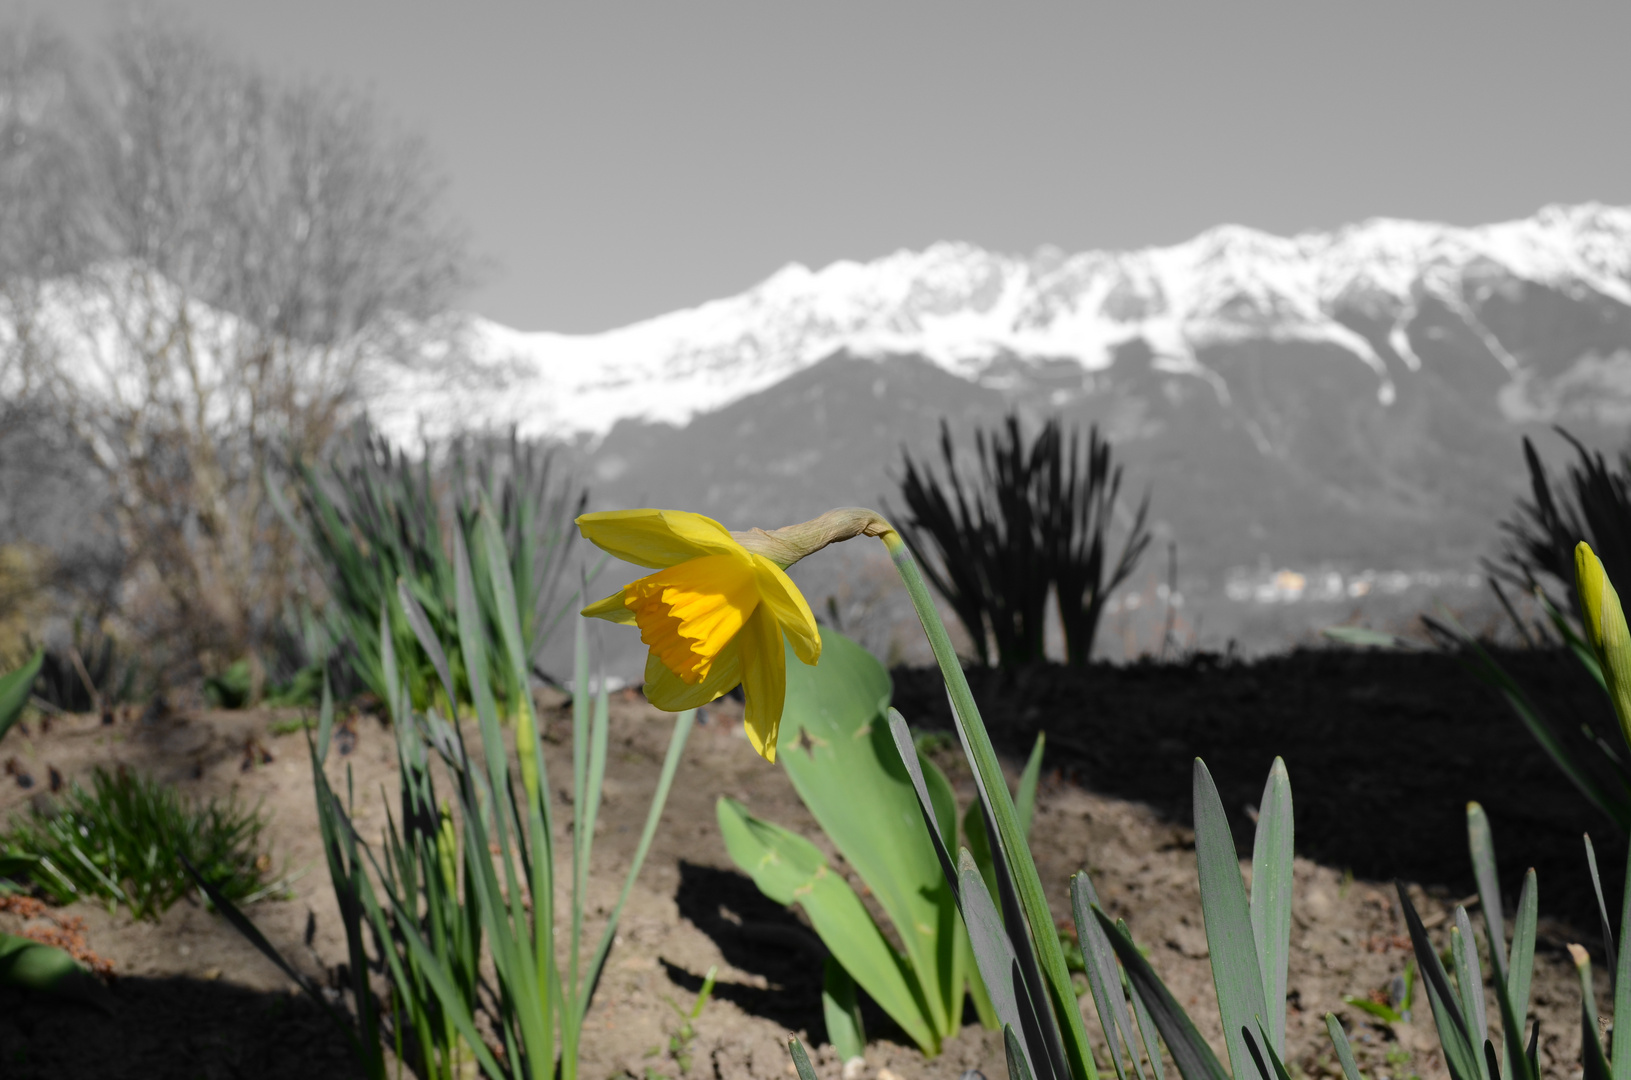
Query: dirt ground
1382	751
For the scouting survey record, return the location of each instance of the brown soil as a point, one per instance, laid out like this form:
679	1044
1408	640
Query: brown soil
195	1000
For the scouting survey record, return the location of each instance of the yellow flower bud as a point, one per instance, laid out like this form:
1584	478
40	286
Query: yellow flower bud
1606	630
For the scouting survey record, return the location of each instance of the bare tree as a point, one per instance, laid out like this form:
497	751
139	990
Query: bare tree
227	259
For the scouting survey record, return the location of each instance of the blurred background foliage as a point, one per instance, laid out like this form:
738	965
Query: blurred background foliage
199	266
1028	520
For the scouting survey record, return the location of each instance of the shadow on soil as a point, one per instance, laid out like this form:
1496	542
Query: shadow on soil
759	936
171	1028
1384	750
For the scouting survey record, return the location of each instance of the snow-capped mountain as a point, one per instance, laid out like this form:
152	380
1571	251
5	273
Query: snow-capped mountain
1375	294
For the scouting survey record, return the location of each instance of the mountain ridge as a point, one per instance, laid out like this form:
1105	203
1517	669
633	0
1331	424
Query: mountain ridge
1360	288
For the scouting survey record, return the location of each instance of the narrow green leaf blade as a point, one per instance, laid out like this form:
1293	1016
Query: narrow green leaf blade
1190	1052
842	762
801	1060
1268	1063
15	688
842	1012
659	799
1523	945
1459	1056
906	751
1235	971
993	947
1591	1043
1018	1067
1147	1032
789	869
1469	982
1102	978
1481	846
1602	908
1025	794
1621	1063
1345	1052
1272	859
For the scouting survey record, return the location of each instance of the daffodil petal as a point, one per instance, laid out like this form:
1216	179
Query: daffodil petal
785	601
612	609
656	538
764	680
668	692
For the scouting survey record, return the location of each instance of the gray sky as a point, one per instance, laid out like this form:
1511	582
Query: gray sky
619	160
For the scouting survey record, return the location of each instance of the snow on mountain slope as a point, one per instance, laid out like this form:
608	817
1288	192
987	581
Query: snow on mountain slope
964	309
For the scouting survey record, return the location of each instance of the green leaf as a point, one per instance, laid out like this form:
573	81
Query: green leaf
1459	1056
1621	1064
1469	982
1040	1027
665	780
1268	1063
1271	899
1523	945
1481	847
14	691
789	869
1025	794
1345	1053
1602	908
912	762
1018	1067
801	1060
1190	1052
979	844
942	797
1235	970
1591	1044
1146	1025
1376	1009
1010	838
1512	1065
842	1012
1102	977
29	965
1358	635
993	950
841	756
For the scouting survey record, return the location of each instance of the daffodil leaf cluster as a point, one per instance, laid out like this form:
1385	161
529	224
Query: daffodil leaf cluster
839	754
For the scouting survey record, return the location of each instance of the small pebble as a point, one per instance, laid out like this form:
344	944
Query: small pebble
854	1068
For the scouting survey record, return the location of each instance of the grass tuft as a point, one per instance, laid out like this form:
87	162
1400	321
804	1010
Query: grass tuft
120	841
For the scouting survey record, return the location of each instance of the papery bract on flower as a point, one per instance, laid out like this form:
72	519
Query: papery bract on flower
714	614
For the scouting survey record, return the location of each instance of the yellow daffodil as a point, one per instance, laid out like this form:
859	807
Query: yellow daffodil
713	615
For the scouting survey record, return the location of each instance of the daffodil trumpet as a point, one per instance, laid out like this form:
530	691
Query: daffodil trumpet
719	607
